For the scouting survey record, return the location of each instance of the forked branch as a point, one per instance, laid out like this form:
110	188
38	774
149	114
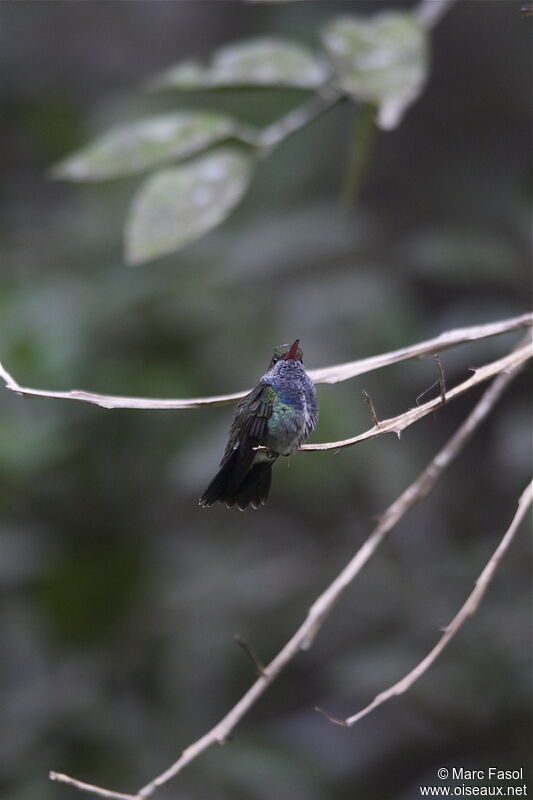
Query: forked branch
304	636
467	609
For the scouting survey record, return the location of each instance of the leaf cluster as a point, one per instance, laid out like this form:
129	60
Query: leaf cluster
201	162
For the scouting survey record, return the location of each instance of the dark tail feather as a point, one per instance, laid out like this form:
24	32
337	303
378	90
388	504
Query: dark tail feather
252	490
218	487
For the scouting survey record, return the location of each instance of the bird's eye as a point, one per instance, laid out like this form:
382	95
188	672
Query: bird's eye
274	359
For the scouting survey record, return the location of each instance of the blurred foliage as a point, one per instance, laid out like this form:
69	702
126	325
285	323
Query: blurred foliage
178	205
133	148
120	598
254	63
382	61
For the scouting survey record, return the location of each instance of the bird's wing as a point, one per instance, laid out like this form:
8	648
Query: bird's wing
244	475
250	421
259	411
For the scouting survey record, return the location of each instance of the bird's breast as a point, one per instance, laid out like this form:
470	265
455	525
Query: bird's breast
287	424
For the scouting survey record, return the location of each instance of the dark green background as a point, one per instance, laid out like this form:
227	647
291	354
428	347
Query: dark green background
119	596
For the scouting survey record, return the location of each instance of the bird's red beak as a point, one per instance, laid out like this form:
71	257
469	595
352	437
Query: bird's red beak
293	352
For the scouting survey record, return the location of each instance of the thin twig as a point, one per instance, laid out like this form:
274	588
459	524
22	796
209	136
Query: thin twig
99	791
425	392
252	655
467	609
334	374
330	717
304	636
361	144
298	118
373	415
442	380
398	424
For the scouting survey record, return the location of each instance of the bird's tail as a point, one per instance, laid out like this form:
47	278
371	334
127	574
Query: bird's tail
231	487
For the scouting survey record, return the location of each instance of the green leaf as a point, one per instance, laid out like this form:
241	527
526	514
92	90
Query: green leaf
139	145
255	62
383	60
176	206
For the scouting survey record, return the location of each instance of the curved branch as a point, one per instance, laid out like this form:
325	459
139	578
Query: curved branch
304	636
468	608
334	374
342	372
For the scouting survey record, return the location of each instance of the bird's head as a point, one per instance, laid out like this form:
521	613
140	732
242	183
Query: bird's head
287	352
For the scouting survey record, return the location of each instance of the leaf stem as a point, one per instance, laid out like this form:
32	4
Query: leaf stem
361	144
298	118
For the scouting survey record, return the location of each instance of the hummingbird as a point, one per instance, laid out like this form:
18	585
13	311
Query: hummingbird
272	420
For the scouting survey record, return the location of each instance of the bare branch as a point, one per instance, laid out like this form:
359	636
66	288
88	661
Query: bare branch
90	788
116	401
399	423
304	636
468	608
342	372
334	374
